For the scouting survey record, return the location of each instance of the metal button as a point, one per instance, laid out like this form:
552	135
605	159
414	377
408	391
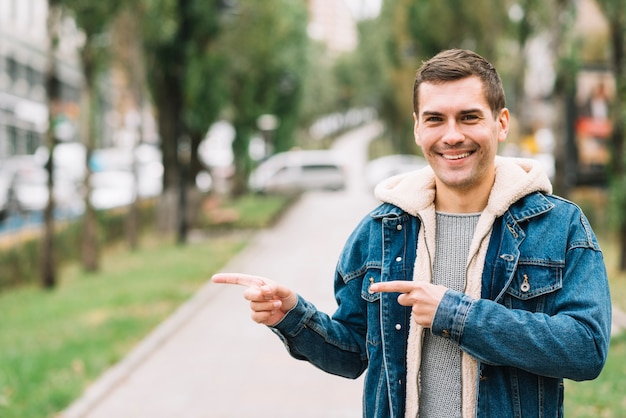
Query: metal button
399	227
525	287
398	327
398	259
371	283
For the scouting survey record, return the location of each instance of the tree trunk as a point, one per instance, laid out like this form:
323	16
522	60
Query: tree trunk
48	262
618	32
127	50
90	244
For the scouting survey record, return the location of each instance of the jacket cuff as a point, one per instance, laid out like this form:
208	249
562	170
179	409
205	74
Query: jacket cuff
449	319
294	320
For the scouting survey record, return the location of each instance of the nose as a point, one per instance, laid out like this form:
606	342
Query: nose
453	134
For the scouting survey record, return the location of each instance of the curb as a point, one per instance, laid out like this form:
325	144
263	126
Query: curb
111	378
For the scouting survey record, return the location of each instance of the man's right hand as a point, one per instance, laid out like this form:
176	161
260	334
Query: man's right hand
269	301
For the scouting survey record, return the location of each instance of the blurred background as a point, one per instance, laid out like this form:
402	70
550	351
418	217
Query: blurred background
126	115
169	101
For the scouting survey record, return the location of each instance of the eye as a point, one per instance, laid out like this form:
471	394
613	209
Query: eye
433	119
470	117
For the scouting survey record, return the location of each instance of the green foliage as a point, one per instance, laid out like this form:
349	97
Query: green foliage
185	71
615	13
93	17
267	62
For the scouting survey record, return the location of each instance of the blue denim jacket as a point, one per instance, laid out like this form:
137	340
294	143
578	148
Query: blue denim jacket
525	340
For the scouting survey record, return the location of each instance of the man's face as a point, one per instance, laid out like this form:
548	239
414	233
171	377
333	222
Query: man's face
459	134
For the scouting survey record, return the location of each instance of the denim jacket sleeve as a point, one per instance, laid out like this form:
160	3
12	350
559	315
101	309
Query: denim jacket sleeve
551	308
312	335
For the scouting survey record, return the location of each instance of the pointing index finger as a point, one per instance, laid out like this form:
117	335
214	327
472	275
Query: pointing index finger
400	286
239	279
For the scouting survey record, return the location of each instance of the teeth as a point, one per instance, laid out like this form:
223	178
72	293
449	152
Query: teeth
456	157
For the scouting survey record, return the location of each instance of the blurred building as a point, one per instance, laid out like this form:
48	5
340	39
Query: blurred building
23	63
332	23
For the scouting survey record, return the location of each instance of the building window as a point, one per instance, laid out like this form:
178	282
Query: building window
33	140
13	141
13	68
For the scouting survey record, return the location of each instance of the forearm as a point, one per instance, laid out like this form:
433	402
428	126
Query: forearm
314	336
570	344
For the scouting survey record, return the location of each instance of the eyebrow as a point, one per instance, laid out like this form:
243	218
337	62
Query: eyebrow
462	112
431	113
468	111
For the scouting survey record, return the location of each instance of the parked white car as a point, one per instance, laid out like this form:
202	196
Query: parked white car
296	171
382	168
28	190
112	189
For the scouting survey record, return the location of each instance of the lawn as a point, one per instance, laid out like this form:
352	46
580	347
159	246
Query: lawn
604	397
54	343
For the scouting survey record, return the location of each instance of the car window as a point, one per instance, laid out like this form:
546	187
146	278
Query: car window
319	167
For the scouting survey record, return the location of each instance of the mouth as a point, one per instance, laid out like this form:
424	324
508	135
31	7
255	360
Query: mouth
453	157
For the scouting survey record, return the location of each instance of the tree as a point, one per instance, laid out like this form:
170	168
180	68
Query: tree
184	77
267	61
48	265
615	13
128	59
94	19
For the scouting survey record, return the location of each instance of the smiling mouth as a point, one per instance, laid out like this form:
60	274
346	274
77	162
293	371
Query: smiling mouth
457	156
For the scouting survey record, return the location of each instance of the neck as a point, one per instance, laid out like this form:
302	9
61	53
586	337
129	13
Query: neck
462	200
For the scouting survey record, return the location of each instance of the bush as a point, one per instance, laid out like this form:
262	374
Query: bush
20	260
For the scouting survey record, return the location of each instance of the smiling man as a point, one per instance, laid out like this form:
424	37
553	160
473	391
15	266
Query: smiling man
471	291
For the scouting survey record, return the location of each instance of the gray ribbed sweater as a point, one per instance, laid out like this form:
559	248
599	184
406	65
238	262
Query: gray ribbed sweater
440	371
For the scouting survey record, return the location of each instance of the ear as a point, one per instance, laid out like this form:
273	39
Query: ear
504	123
416	129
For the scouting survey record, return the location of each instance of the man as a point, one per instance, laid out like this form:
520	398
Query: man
471	290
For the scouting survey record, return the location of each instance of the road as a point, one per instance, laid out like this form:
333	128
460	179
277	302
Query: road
210	360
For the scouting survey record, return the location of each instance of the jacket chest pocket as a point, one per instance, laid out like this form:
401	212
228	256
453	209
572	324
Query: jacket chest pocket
372	307
532	286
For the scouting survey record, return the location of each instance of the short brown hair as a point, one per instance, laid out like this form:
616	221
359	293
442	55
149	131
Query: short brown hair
456	64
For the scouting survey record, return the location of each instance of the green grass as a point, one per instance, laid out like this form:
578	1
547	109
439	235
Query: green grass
55	343
604	397
248	211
